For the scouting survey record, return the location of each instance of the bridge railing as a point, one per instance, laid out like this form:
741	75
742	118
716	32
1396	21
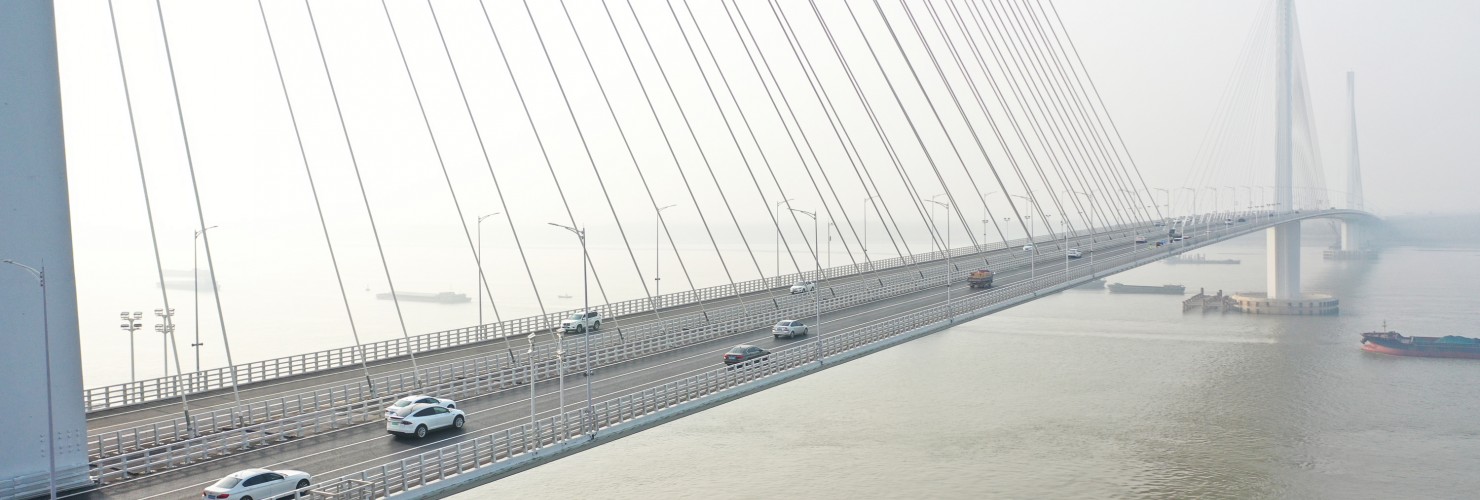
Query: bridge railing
124	454
501	447
142	391
461	384
639	339
156	445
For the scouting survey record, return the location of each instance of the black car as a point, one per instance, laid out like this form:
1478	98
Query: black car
743	353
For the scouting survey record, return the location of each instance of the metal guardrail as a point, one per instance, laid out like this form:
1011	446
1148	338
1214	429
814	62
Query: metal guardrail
143	391
124	454
502	445
146	448
160	433
463	386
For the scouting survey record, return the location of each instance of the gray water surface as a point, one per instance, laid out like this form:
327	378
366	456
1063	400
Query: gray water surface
1091	395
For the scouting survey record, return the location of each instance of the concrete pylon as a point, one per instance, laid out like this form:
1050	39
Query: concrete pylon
1351	239
36	230
1283	269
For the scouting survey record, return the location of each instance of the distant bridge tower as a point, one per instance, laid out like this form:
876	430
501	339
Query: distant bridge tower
1284	240
36	230
1350	234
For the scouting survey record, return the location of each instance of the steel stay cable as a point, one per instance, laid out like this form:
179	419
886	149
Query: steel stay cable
672	153
1012	119
1096	159
1086	134
765	160
849	149
698	145
982	105
622	132
916	199
786	127
199	212
1023	99
976	138
1101	101
539	140
955	206
819	92
729	129
1050	104
1124	170
364	196
437	150
878	131
314	190
148	205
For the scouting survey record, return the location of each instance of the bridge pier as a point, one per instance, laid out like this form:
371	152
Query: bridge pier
38	317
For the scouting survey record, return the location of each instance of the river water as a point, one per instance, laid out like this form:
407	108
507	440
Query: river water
1085	394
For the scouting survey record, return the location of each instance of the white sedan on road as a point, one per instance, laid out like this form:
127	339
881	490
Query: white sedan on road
804	287
418	399
259	484
418	419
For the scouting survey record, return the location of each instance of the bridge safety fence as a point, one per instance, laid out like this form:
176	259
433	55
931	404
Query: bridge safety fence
148	390
126	452
123	454
635	340
501	446
143	391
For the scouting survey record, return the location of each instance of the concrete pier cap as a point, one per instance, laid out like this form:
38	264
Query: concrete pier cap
1305	304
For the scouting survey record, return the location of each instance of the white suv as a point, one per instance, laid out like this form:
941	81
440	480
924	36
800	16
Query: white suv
419	418
1074	253
789	328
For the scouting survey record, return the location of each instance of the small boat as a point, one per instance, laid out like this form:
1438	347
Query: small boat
1394	343
440	297
1198	259
1163	289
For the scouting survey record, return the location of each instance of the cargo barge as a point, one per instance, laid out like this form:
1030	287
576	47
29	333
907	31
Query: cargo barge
1448	346
1163	289
439	297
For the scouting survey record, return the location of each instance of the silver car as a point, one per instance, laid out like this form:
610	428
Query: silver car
788	328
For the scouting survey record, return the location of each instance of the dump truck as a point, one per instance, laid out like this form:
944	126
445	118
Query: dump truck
980	278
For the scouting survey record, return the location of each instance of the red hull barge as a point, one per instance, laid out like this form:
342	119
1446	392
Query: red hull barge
1450	346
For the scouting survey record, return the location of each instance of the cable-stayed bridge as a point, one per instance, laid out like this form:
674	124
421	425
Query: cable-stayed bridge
757	119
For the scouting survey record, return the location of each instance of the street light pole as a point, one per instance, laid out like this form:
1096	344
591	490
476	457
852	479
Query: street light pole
865	230
590	413
131	324
481	279
657	244
816	290
777	217
950	269
51	433
165	327
194	273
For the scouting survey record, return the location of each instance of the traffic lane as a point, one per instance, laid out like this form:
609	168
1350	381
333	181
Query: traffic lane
163	411
494	347
328	456
329	451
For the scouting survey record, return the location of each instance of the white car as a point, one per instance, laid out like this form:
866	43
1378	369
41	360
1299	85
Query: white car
804	287
418	399
1074	253
259	484
1027	248
1140	239
419	418
788	328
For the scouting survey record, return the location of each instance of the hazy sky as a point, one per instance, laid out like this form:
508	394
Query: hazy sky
1161	68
